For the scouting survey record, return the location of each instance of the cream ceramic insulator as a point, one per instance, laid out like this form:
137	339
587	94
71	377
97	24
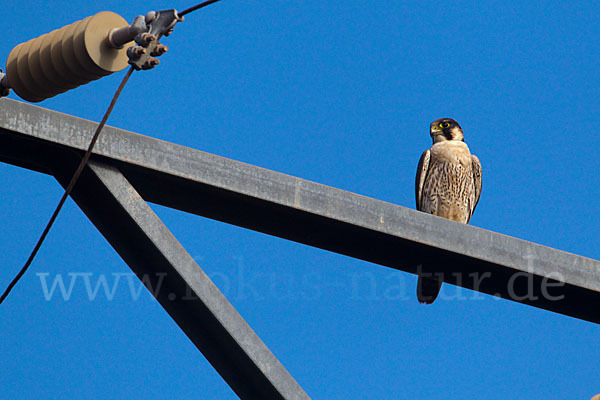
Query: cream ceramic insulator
66	58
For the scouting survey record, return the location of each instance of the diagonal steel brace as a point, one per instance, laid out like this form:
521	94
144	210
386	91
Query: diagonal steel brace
187	293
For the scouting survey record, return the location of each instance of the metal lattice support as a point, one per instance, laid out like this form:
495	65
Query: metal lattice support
307	212
128	164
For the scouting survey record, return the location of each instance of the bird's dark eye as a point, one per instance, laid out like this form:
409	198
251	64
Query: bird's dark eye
445	125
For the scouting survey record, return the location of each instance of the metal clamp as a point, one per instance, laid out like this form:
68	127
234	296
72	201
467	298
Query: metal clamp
158	23
4	85
117	38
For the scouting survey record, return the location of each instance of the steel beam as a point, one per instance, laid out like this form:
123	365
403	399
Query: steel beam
314	214
178	283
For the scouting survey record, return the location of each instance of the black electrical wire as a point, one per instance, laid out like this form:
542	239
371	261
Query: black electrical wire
70	187
196	7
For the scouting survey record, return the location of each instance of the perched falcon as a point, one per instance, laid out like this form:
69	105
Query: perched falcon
448	185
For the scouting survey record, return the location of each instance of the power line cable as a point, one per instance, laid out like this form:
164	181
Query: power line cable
70	187
196	7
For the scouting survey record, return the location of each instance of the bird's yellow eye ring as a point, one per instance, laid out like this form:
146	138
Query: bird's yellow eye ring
445	125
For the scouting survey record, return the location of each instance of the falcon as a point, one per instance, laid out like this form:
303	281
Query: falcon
448	185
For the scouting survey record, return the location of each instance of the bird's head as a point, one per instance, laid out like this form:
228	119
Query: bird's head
445	129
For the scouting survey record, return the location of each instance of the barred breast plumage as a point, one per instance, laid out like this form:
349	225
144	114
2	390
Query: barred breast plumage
449	189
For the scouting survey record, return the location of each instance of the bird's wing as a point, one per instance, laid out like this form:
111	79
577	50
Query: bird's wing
421	175
476	166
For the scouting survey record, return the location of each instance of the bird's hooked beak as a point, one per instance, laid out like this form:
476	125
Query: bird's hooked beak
435	131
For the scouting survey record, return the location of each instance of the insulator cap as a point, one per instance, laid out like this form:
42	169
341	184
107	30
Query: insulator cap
66	58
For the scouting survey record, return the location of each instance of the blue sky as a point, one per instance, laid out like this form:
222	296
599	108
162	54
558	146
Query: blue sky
342	93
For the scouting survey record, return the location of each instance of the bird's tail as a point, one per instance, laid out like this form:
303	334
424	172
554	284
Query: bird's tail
428	289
